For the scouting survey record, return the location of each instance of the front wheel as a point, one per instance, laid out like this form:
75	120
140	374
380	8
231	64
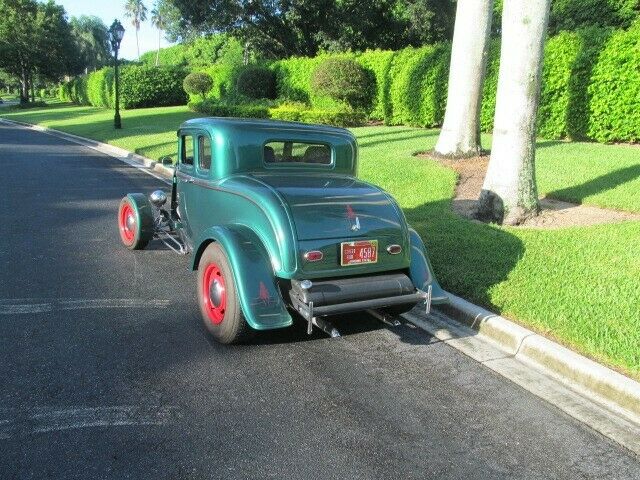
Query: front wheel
218	297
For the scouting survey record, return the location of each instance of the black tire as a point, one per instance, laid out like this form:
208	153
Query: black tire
135	221
218	297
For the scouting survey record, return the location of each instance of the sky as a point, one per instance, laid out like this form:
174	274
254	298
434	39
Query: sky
108	10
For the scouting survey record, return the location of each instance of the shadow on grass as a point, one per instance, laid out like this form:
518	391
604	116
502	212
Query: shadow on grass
407	135
468	258
597	185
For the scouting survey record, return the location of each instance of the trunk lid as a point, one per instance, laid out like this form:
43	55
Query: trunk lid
329	206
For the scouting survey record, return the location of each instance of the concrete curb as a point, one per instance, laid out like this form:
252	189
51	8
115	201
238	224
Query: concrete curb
116	152
615	391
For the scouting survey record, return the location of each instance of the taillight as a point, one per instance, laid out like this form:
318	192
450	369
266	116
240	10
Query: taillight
313	256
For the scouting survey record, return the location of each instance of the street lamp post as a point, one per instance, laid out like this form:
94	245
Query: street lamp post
116	32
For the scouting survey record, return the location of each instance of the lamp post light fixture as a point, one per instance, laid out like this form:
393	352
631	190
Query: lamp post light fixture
116	32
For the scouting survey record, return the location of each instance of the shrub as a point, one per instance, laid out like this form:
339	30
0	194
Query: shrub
345	80
100	88
559	56
257	82
176	55
339	118
615	89
152	86
419	86
569	59
224	78
490	87
289	111
198	83
379	62
210	107
575	14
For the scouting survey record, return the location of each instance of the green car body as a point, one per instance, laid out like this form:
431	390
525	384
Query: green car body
267	215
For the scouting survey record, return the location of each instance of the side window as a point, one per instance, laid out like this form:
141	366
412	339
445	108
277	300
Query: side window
204	152
186	155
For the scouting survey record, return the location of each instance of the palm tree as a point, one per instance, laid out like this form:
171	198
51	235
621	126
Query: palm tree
137	12
460	134
509	193
158	21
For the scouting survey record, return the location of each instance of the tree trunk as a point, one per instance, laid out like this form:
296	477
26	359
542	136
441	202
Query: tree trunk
137	43
509	194
158	52
33	88
460	134
24	87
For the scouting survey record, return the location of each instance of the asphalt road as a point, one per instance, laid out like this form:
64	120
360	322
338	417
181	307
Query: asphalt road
106	372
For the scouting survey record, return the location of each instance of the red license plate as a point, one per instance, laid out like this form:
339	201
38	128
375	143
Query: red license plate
357	253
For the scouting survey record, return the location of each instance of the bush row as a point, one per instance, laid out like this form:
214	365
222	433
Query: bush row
140	86
590	87
288	112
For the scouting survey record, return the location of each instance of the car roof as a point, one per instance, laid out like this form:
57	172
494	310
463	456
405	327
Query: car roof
230	123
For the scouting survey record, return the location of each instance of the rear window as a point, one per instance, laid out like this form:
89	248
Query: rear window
297	152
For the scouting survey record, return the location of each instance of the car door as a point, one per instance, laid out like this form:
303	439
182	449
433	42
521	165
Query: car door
186	175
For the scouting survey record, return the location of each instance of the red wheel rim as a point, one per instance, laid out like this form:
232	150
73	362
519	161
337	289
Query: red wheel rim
127	223
214	293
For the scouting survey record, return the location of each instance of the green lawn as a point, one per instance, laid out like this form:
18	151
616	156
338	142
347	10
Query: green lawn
578	285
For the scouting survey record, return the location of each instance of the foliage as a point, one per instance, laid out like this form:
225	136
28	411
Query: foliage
257	82
152	86
419	86
212	108
490	87
100	88
379	62
615	89
283	28
198	83
175	55
517	272
92	42
345	80
576	14
136	10
287	112
35	39
172	23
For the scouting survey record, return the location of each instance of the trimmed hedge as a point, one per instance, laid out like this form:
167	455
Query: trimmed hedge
290	112
614	89
419	86
139	87
152	86
100	88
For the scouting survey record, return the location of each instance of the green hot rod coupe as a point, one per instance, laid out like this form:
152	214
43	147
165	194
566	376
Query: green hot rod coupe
279	226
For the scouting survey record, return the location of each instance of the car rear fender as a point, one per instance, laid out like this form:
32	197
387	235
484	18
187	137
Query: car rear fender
421	272
260	299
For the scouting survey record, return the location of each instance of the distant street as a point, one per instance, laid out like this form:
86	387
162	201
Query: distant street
106	371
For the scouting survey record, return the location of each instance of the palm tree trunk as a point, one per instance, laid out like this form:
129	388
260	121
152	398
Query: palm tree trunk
460	134
509	194
158	52
137	43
